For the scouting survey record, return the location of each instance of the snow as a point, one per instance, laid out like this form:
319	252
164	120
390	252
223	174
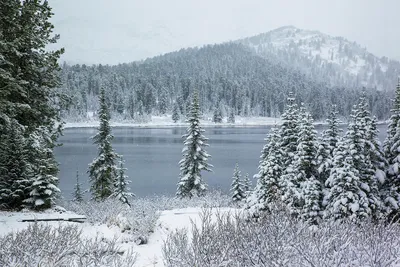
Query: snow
166	121
149	254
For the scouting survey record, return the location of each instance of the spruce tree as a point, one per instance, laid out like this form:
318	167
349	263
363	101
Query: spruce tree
175	113
77	194
195	157
15	168
268	189
217	117
28	81
391	187
345	199
247	185
289	131
231	118
237	187
304	166
103	170
121	189
312	192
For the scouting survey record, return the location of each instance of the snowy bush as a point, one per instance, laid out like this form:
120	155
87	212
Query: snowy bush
45	246
278	239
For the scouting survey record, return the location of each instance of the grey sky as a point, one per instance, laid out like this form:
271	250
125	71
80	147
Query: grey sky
109	32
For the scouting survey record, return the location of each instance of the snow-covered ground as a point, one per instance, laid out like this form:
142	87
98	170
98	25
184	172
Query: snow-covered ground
149	254
166	121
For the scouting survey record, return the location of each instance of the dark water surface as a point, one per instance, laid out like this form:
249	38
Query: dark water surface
152	155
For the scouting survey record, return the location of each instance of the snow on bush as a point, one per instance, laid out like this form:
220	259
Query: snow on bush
45	246
278	239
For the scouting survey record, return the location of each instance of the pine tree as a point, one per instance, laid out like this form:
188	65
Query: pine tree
103	170
345	199
304	166
175	113
77	194
289	131
15	169
121	189
217	117
391	187
312	192
163	101
231	118
268	189
237	187
28	80
194	158
247	185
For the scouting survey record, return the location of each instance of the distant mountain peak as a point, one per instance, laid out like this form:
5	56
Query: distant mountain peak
333	59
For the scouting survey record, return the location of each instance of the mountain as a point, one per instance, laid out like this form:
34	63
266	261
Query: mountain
230	77
325	58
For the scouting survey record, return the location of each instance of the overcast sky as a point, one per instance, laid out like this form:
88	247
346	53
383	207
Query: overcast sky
110	32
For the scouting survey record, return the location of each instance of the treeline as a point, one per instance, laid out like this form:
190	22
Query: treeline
229	77
335	176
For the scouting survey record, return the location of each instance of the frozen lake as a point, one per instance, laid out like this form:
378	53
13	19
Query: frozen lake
152	155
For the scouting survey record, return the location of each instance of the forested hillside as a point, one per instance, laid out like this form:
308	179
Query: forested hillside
228	76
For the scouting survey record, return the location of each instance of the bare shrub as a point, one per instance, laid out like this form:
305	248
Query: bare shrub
277	239
48	246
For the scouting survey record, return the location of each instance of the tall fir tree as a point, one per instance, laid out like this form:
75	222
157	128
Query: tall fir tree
247	185
175	113
28	81
304	166
231	118
217	116
391	187
289	131
345	200
103	170
77	194
268	189
237	187
121	185
195	158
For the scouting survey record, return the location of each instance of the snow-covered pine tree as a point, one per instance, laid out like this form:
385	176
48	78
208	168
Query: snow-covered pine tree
289	131
355	139
247	185
195	157
237	187
43	188
217	117
175	112
327	144
29	76
312	192
303	168
15	168
77	194
231	118
121	189
391	187
103	170
345	199
375	152
268	189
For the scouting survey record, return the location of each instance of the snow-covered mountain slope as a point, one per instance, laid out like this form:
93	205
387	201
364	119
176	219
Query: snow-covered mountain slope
327	58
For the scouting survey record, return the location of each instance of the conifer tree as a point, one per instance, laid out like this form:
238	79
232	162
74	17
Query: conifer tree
217	117
15	169
312	192
28	81
121	189
103	170
175	113
289	131
304	166
345	199
391	187
231	118
237	187
268	189
195	157
247	185
77	194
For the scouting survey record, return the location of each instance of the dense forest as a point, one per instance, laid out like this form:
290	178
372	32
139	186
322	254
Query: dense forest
230	77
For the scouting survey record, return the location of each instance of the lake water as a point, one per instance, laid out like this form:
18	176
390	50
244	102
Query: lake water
152	154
